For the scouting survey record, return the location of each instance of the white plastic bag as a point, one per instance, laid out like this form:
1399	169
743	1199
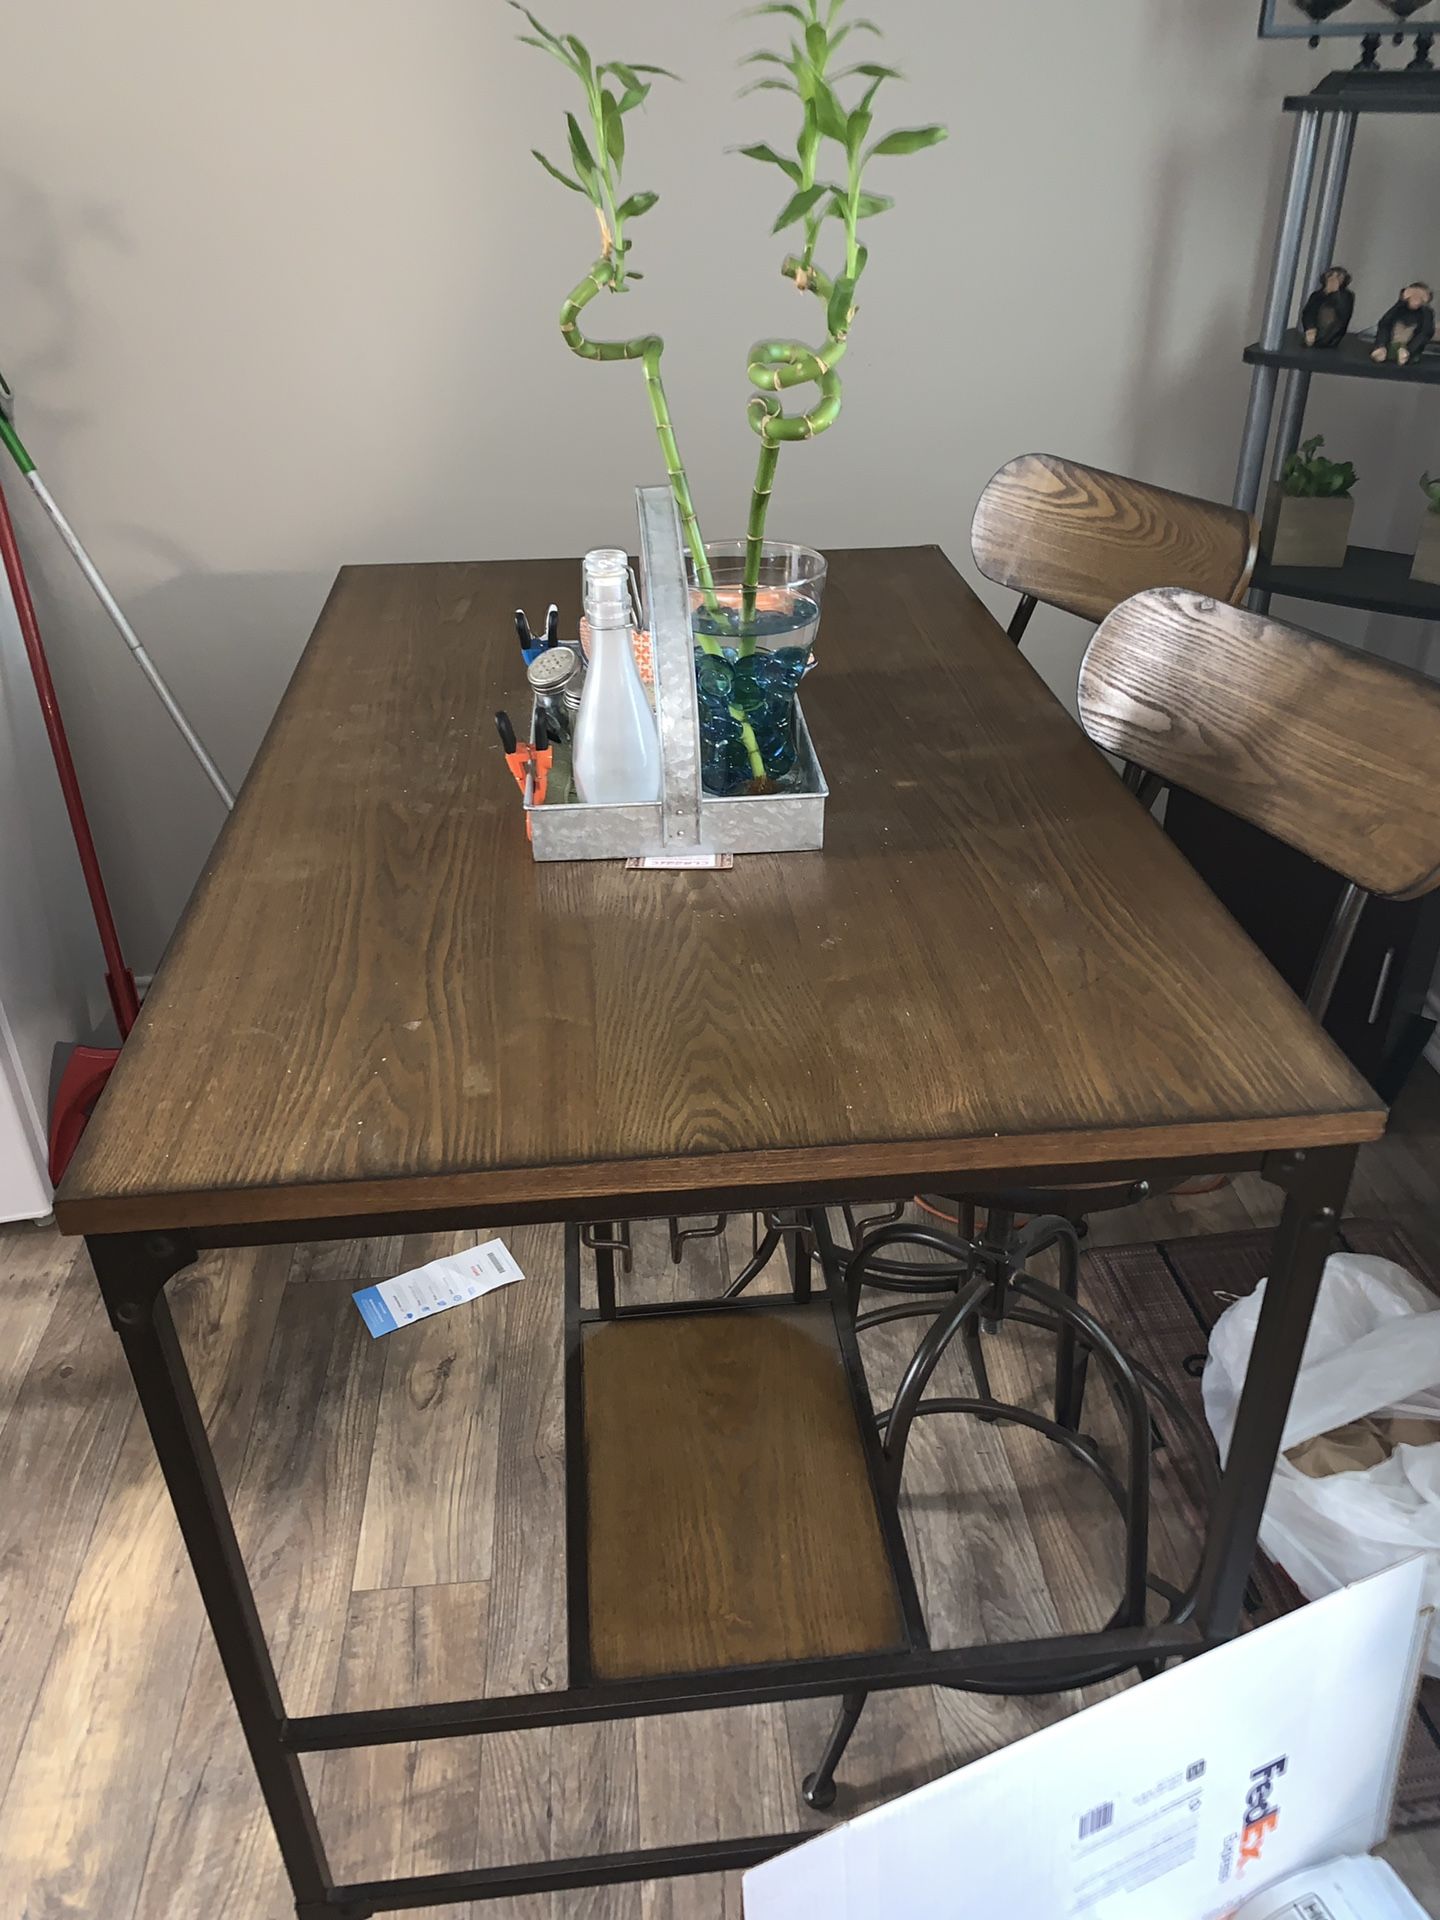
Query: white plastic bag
1373	1348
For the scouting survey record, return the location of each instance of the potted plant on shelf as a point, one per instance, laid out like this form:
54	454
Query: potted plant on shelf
1308	513
1426	564
756	600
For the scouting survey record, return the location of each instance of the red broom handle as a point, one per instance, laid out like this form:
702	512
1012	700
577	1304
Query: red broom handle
118	977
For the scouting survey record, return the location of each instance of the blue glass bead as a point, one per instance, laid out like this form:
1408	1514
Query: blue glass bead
713	677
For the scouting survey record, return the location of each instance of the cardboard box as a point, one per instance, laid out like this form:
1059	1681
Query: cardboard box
1180	1799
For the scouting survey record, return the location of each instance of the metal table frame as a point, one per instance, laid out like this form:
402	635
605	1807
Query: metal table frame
133	1270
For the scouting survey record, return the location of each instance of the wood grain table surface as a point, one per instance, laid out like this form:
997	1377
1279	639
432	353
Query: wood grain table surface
376	1003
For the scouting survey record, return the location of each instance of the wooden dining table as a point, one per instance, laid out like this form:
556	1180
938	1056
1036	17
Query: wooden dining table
378	1014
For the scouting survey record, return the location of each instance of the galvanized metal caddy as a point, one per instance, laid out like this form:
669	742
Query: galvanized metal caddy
684	820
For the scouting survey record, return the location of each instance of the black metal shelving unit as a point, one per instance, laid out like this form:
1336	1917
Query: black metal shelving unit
1373	578
1283	900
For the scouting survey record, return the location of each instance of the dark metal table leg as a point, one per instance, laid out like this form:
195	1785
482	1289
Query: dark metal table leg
1315	1186
132	1270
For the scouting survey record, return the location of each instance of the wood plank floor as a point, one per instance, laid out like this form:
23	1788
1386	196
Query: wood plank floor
401	1507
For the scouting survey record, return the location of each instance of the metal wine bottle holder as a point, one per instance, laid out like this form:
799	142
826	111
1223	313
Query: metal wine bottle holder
684	819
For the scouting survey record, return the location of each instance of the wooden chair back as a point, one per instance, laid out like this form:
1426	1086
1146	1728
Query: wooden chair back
1085	540
1335	752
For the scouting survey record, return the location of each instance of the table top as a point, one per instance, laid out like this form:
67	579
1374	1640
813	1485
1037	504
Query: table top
377	1004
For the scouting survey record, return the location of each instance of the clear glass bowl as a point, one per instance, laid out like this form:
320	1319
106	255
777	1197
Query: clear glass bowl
787	602
747	691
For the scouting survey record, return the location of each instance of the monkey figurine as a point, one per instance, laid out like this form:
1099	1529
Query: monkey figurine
1325	319
1408	328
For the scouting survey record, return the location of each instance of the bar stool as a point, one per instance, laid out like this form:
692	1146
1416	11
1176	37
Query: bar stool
1336	753
1084	540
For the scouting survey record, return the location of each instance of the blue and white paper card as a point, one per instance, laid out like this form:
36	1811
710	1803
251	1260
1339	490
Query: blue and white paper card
435	1287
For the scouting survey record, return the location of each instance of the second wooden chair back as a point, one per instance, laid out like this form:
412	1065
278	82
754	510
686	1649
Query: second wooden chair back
1084	540
1335	752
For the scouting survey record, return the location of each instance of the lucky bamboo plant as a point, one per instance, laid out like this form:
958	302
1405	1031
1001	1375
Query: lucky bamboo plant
829	130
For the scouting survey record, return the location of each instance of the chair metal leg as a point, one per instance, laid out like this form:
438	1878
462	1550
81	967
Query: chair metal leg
819	1787
1072	1361
927	1357
799	1249
1136	1407
765	1251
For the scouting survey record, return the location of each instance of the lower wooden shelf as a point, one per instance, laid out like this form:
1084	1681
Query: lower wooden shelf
730	1515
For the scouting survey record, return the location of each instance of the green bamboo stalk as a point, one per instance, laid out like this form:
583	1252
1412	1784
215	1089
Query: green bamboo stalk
776	366
647	349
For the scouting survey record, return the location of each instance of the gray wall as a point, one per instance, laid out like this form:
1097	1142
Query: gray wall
280	286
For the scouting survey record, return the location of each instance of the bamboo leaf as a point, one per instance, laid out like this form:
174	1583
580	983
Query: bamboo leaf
614	128
637	204
583	62
817	45
842	299
579	153
862	260
871	70
829	113
636	90
779	6
556	53
869	204
838	39
857	129
797	206
765	57
544	32
556	174
767	86
908	140
768	154
639	66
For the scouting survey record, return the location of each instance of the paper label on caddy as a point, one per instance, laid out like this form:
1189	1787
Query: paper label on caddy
439	1285
679	862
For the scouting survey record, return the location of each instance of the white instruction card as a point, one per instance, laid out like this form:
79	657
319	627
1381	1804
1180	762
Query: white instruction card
1180	1799
437	1286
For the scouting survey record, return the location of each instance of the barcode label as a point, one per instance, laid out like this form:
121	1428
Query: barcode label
1097	1819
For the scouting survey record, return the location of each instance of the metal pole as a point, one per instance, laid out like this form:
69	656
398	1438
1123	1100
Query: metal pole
1322	255
128	634
1335	948
1277	308
120	982
21	456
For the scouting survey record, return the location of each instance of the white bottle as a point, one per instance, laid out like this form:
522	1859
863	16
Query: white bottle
617	750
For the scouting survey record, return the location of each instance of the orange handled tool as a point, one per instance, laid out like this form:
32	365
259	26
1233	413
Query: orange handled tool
521	756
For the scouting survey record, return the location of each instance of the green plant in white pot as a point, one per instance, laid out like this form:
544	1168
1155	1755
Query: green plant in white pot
1309	510
1426	564
756	600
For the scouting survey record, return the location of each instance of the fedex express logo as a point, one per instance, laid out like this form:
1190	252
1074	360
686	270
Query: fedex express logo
1261	1813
